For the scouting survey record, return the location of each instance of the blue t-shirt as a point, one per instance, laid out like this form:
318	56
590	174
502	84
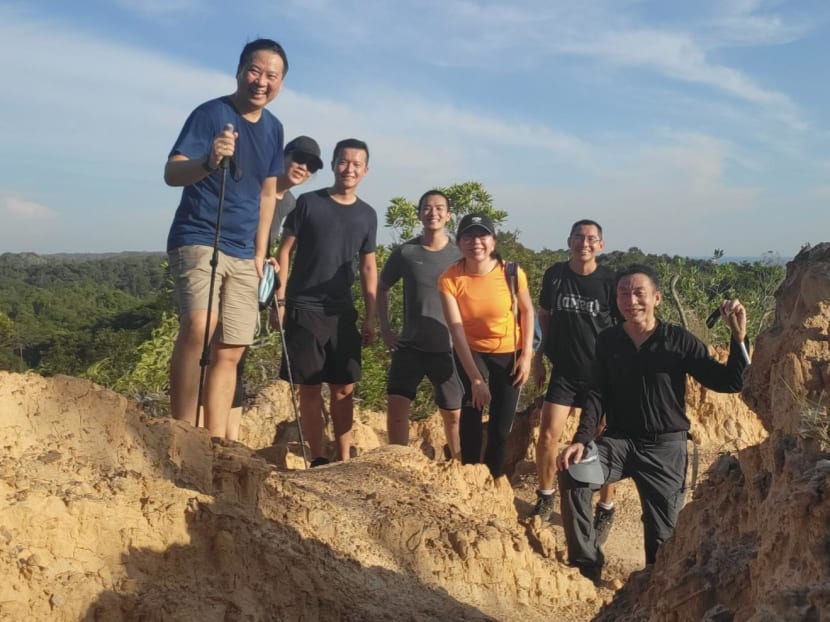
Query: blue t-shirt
258	156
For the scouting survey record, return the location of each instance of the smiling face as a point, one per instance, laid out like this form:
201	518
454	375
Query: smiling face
585	243
259	81
637	298
350	165
297	172
434	213
477	244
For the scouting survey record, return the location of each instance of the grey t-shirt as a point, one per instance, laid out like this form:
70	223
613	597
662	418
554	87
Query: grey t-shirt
284	207
424	327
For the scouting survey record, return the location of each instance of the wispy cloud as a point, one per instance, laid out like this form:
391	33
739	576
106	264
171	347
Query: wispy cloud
21	210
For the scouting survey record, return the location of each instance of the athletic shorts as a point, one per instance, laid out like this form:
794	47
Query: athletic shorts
409	366
234	291
566	392
321	347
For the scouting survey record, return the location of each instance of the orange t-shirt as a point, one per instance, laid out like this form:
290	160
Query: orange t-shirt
486	307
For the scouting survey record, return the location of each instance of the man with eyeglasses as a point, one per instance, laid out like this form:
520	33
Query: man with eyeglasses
255	149
576	303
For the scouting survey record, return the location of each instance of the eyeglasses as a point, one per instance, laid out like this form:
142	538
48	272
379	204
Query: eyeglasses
591	239
305	159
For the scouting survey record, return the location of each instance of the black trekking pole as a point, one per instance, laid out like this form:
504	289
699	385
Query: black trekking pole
214	261
291	385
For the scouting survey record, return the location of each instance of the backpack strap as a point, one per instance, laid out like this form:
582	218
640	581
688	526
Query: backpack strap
511	274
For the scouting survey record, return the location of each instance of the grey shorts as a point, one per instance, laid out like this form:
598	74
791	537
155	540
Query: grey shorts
234	292
409	366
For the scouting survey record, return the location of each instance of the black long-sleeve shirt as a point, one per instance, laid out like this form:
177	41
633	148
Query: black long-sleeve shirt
642	391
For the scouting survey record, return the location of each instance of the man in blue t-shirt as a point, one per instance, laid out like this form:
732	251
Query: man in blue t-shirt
255	149
328	230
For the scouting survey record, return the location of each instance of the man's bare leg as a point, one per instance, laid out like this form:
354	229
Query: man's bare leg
311	418
397	419
234	420
606	495
342	417
554	417
184	365
451	432
220	385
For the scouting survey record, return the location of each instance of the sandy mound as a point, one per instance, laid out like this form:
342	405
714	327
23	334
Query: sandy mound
109	515
754	544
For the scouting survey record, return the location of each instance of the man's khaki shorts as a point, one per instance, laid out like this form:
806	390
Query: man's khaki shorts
234	290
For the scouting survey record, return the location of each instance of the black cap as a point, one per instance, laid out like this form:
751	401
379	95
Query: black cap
306	145
470	221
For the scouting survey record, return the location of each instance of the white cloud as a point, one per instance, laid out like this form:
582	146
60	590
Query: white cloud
15	209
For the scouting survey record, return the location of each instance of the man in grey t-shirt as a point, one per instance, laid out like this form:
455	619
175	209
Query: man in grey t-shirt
423	346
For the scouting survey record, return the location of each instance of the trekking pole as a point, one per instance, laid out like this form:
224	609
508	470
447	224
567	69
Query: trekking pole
214	261
291	386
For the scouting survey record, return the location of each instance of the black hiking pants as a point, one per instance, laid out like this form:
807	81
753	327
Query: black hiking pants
496	369
658	467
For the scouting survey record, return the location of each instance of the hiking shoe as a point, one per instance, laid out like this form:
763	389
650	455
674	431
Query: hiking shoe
318	462
592	573
544	506
603	519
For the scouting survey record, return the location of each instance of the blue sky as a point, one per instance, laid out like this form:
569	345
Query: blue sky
680	126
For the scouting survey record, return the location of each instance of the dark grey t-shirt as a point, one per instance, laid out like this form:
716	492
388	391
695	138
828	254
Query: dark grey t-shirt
284	207
424	327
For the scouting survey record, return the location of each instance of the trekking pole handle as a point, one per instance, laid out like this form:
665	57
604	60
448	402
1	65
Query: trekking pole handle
226	161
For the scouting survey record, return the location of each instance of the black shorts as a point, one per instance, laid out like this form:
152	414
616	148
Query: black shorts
567	392
321	347
409	366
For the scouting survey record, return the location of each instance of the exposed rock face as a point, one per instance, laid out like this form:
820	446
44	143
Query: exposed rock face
755	542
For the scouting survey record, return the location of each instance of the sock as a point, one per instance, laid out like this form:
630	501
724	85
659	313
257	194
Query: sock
546	493
605	506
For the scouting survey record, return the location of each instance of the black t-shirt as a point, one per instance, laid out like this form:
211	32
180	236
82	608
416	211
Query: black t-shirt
581	307
642	391
329	237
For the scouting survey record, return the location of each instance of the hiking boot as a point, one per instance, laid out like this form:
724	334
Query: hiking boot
318	462
592	573
544	506
603	519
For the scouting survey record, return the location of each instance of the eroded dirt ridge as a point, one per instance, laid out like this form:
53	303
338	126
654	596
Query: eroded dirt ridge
107	514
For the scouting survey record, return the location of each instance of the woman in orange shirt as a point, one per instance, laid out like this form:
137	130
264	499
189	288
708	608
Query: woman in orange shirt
492	351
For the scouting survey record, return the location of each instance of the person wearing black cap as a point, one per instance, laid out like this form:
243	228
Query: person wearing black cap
302	160
493	351
640	386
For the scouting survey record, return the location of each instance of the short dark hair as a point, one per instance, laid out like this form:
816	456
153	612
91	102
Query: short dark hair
268	45
350	143
638	268
585	223
433	193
